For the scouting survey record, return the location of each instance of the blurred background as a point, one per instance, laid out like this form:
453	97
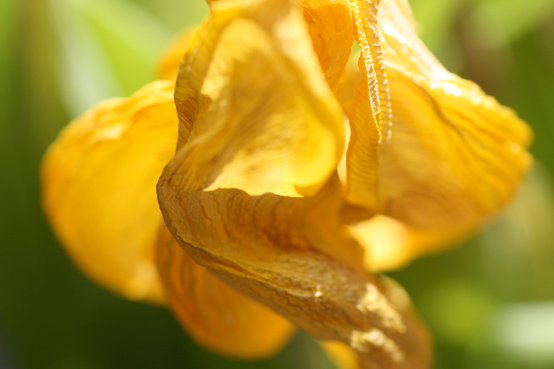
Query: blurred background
489	303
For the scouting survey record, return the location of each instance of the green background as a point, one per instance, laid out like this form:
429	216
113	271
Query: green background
489	304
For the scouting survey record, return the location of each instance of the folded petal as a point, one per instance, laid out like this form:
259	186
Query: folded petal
257	105
291	255
369	110
99	180
451	156
214	314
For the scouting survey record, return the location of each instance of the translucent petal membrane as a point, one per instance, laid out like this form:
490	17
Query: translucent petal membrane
391	244
217	316
258	106
452	156
289	253
99	180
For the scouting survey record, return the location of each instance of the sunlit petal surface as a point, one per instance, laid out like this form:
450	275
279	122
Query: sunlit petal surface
264	118
455	155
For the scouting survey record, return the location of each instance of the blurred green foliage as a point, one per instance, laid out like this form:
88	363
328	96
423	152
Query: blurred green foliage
489	304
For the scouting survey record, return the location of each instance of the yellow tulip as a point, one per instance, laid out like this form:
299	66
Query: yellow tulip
295	178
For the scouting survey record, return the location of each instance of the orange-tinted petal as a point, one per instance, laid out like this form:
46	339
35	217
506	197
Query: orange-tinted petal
217	316
99	180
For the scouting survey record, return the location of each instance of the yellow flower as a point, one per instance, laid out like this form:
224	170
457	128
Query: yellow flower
296	177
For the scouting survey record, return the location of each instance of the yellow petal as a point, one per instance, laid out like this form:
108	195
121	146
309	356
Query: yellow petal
217	316
171	60
390	244
455	155
258	106
452	156
290	254
330	28
99	180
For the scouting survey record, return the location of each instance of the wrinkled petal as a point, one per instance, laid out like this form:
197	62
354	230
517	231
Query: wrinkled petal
99	180
330	29
213	313
452	156
277	250
260	104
